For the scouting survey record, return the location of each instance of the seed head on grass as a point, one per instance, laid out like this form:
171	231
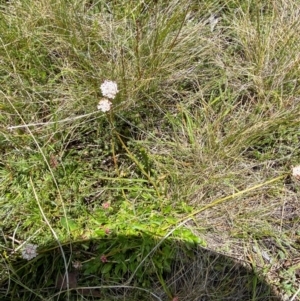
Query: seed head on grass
29	251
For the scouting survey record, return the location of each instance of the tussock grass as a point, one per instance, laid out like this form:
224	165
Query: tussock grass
196	151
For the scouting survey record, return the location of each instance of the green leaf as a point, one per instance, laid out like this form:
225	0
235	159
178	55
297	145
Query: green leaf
69	224
107	267
124	268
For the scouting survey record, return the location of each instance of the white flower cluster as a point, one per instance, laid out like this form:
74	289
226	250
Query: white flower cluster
296	172
109	90
29	251
104	105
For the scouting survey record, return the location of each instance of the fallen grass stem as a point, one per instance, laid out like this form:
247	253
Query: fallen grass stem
229	197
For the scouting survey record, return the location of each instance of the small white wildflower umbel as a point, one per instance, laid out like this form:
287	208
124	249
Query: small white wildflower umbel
296	172
104	105
29	251
77	265
109	89
213	20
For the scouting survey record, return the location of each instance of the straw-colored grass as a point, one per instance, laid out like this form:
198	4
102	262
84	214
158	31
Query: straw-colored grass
184	189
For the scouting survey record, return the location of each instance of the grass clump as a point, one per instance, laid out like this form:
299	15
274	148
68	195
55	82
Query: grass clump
195	150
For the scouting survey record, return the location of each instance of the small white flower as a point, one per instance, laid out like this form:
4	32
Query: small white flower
104	105
29	251
109	89
213	20
296	172
77	265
